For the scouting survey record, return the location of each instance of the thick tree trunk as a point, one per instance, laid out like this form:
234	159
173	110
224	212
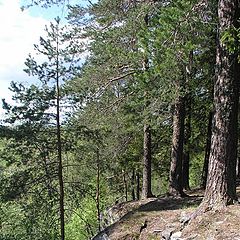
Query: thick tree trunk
221	181
207	151
147	169
175	178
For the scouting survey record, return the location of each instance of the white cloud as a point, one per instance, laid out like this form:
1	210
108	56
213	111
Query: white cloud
18	32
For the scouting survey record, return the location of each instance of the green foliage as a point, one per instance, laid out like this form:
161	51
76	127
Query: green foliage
83	222
136	54
196	170
12	221
230	38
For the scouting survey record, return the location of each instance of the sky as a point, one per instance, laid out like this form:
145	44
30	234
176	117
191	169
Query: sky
19	31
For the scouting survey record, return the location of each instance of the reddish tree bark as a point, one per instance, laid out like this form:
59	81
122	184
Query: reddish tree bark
221	181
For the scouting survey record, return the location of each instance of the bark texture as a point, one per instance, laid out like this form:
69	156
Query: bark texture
221	182
175	178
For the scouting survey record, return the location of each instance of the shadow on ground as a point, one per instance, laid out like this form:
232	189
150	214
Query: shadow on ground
142	209
170	203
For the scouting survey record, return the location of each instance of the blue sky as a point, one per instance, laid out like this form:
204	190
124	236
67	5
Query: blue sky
49	13
19	31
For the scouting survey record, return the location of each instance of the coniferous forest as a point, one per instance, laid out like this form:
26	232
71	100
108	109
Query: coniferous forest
133	99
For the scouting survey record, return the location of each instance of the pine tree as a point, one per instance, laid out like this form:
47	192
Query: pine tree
39	107
221	181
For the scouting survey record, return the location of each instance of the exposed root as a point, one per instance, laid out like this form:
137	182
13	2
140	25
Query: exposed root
202	209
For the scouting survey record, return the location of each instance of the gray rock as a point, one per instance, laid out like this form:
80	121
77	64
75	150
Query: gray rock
166	234
184	218
101	236
176	236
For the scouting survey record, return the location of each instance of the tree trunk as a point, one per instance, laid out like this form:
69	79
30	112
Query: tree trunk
146	187
125	185
238	169
175	178
138	186
133	185
186	153
187	127
207	151
185	170
221	181
98	191
59	152
147	144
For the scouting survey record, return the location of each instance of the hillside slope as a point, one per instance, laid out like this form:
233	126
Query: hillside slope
162	218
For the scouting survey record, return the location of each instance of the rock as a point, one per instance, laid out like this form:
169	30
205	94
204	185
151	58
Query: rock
144	226
236	201
166	234
184	218
116	212
101	236
176	236
111	215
